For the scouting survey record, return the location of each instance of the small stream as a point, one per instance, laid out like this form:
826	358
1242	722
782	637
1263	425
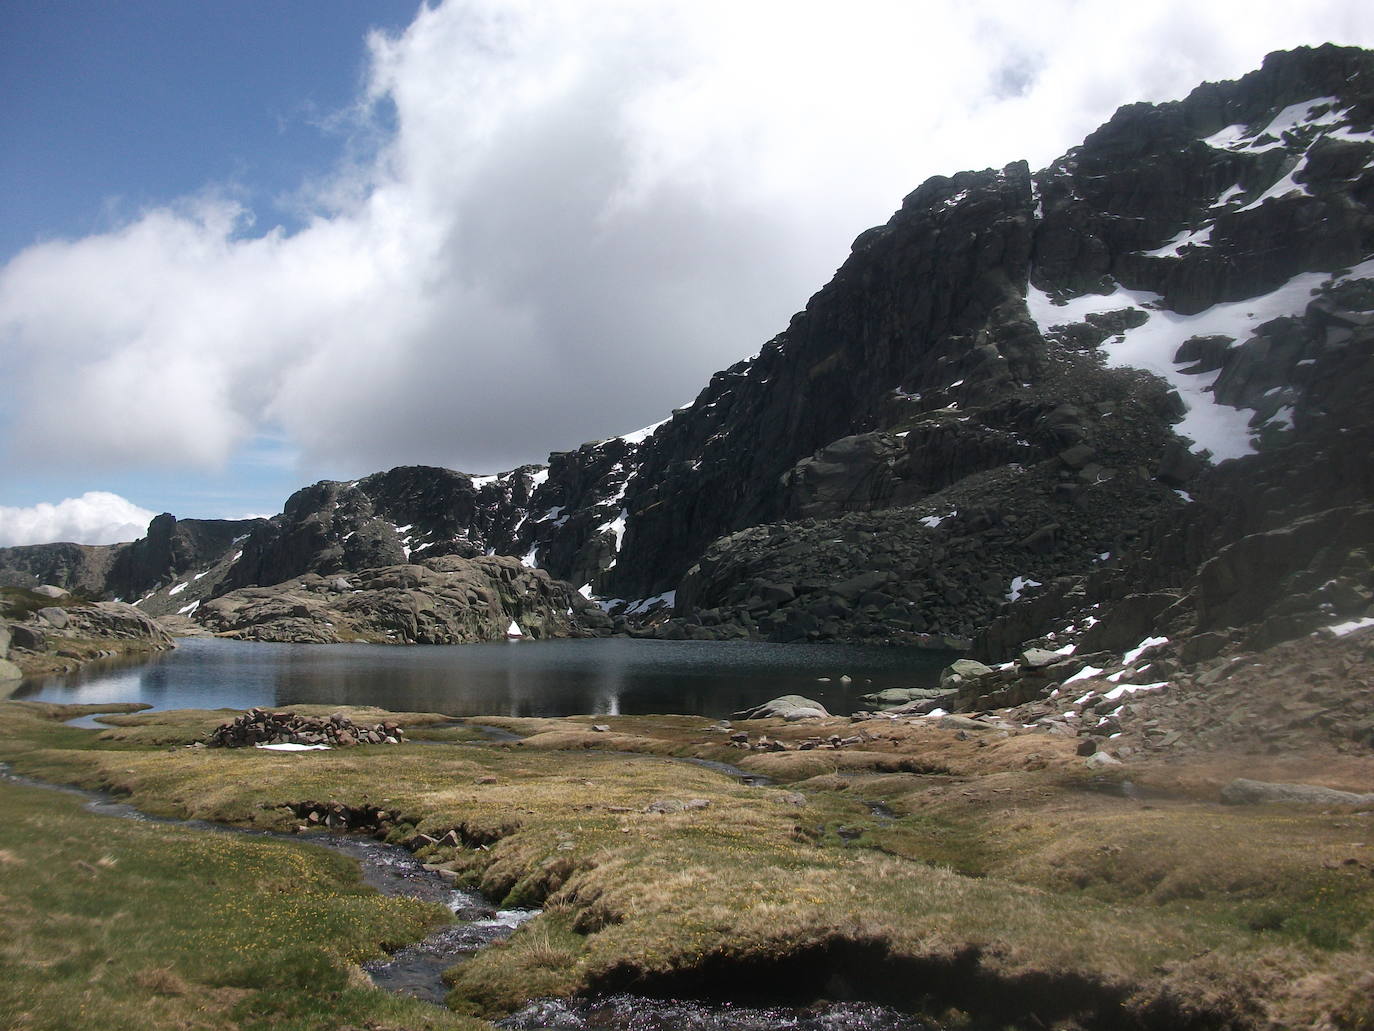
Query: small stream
637	1013
417	970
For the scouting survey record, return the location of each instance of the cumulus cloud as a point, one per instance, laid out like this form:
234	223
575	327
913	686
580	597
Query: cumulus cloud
576	212
97	517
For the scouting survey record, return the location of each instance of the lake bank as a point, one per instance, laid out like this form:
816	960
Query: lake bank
992	883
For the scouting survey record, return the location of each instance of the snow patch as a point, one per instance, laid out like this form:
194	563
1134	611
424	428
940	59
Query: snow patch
514	630
1085	673
1020	584
1185	238
178	588
641	435
1142	648
1341	629
292	746
186	610
1219	429
668	598
1125	689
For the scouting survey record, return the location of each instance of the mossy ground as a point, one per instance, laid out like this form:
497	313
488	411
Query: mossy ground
998	855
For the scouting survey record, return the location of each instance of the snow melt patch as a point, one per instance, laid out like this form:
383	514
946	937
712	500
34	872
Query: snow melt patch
292	746
1185	238
186	610
514	630
1236	136
668	598
1085	673
1142	648
931	522
1222	430
1126	689
1019	584
617	528
178	588
1341	629
641	435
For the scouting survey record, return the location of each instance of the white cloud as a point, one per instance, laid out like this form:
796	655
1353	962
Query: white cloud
97	517
583	210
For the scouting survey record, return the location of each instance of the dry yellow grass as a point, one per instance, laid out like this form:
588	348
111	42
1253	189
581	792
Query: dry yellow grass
1000	878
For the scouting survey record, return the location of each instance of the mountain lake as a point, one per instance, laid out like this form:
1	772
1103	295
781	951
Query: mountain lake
611	676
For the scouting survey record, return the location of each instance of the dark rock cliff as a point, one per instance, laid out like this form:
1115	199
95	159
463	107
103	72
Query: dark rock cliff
171	548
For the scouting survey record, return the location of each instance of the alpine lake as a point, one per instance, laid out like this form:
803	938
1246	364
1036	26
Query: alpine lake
615	676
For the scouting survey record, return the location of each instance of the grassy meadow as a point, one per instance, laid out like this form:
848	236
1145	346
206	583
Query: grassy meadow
1000	883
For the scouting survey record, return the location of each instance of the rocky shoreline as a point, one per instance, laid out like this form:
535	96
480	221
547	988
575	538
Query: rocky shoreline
49	630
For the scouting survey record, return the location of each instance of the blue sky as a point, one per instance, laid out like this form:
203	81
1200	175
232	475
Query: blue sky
111	107
247	245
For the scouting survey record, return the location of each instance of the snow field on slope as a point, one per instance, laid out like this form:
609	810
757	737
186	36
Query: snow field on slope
1220	429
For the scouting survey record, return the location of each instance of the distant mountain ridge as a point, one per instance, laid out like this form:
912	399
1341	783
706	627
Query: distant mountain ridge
989	392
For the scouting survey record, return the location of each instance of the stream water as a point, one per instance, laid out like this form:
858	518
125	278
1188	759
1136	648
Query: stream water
417	969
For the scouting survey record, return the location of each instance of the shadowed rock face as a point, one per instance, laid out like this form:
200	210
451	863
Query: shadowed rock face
170	548
954	413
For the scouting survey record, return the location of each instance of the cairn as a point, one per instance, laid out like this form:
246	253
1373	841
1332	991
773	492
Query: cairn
260	727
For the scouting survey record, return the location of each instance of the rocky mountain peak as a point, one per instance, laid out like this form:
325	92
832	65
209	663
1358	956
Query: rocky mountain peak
1025	393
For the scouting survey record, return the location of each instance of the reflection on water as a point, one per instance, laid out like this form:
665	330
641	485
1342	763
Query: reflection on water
543	678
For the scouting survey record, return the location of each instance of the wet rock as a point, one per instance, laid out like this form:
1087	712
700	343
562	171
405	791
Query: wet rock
964	673
1102	760
789	707
1037	659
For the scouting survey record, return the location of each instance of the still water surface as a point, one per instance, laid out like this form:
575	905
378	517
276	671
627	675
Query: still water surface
531	678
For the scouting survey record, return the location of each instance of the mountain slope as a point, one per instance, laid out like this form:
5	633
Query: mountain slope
999	411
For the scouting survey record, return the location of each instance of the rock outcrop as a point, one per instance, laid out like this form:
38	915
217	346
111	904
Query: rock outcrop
40	633
442	600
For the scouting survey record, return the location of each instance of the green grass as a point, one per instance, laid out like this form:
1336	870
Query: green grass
118	924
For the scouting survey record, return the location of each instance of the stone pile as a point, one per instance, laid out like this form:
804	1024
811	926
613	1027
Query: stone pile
338	816
258	726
